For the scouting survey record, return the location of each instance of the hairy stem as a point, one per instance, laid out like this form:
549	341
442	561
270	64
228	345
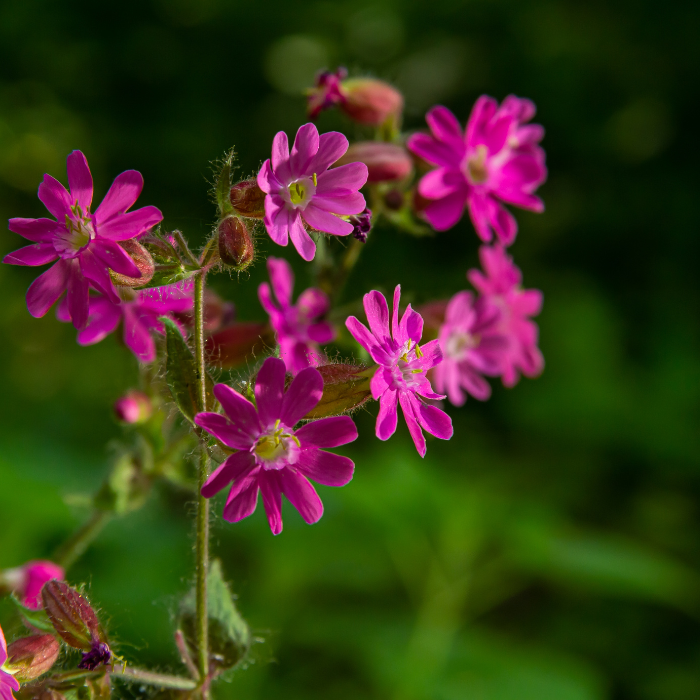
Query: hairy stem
202	546
69	552
160	680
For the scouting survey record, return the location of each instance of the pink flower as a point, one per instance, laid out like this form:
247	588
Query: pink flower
273	457
472	345
298	327
401	375
28	580
498	158
328	91
7	682
301	190
140	314
501	285
84	243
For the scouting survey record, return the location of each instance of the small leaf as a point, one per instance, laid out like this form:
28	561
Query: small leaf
33	618
229	634
181	373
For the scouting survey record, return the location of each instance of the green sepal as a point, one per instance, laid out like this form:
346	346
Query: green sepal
181	373
222	188
33	618
229	634
170	273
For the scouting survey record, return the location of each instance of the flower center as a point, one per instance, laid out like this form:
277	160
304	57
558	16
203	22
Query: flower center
476	166
406	373
77	235
277	448
301	192
460	343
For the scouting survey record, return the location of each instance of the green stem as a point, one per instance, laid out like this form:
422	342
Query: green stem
202	546
160	680
75	547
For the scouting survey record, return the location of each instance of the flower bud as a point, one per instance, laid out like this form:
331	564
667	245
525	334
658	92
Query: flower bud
29	657
394	200
235	243
345	388
72	616
247	199
384	161
134	408
371	102
362	224
28	580
142	259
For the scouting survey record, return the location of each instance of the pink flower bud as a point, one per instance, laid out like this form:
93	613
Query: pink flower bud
247	199
371	102
28	580
236	247
384	161
29	657
134	408
142	259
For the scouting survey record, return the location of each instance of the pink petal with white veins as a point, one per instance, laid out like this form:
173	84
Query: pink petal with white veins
302	495
32	255
45	289
79	179
123	193
55	197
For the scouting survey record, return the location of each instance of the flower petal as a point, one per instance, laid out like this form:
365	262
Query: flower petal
242	499
445	127
313	303
269	390
228	432
32	255
137	337
444	213
408	401
79	179
95	270
278	219
302	495
55	197
123	193
440	183
103	318
271	490
325	221
362	335
127	226
348	177
304	151
282	279
377	312
331	146
435	152
115	257
78	301
326	468
345	204
46	288
303	394
432	354
434	421
37	230
235	466
380	382
387	418
328	432
301	239
411	326
280	158
267	181
240	411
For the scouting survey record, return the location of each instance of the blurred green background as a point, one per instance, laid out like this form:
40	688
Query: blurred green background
551	550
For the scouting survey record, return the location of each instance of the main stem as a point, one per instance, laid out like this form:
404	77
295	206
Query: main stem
202	547
74	548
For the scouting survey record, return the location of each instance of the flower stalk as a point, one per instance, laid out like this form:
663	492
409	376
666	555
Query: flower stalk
75	547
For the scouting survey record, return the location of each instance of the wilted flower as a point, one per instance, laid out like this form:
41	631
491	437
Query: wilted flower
403	364
7	682
472	345
299	327
501	285
28	580
85	243
497	158
384	161
300	188
140	312
362	225
272	456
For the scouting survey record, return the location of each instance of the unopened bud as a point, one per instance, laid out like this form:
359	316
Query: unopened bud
384	161
345	388
29	657
142	259
362	224
394	200
72	616
235	243
247	199
134	408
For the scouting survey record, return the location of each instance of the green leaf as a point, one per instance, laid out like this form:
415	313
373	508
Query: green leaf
229	634
34	618
181	373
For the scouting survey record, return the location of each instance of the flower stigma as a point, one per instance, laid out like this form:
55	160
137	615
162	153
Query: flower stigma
476	166
277	448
